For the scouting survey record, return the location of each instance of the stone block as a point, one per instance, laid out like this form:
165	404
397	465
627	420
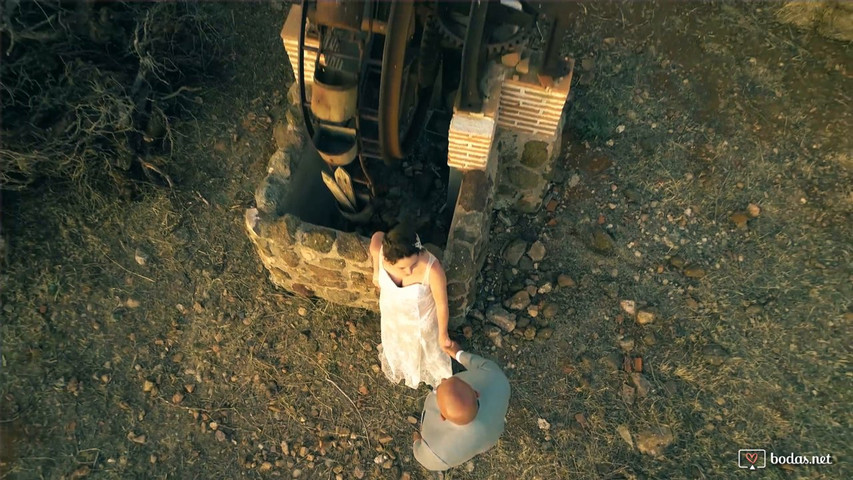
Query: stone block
457	289
318	238
333	263
280	272
282	231
467	227
523	178
535	154
286	255
352	247
325	277
474	191
301	289
461	259
360	281
343	297
270	194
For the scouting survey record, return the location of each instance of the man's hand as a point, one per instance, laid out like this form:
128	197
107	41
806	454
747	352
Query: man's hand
416	437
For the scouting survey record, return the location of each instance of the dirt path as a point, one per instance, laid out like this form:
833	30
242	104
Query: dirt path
142	339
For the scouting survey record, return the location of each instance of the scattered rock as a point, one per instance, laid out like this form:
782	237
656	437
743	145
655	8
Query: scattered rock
132	303
500	317
467	332
677	262
612	361
514	251
265	467
642	384
385	439
581	419
519	301
633	196
177	398
753	310
565	281
494	334
141	257
412	420
543	424
81	472
537	251
691	303
140	439
627	393
638	364
147	386
654	442
623	432
530	332
626	344
525	264
715	354
545	289
645	316
629	307
694	272
602	242
549	310
522	322
739	219
753	210
546	333
523	66
358	473
540	322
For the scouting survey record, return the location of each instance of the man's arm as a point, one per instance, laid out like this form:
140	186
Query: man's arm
468	359
426	457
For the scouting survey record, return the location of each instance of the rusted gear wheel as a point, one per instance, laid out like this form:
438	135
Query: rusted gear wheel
403	98
452	27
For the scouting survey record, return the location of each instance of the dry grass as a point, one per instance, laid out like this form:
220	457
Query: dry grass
269	368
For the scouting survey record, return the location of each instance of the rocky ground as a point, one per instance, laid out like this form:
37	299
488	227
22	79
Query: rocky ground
683	293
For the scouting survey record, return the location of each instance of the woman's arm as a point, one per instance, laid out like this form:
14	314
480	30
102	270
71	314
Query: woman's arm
438	285
375	246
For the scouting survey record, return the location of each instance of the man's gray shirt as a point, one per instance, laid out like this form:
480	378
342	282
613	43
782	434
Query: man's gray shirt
445	444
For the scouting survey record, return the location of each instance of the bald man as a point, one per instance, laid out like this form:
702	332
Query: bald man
464	416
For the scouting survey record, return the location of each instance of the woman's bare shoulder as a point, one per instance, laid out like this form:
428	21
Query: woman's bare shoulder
376	241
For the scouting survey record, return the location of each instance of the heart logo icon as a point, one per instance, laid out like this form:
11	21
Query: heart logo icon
751	457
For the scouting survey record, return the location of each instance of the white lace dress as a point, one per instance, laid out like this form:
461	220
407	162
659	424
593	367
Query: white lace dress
410	349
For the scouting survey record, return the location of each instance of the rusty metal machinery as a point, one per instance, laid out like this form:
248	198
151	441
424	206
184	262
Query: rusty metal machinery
368	71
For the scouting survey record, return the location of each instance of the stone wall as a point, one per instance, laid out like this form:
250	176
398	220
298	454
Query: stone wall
469	234
526	162
312	260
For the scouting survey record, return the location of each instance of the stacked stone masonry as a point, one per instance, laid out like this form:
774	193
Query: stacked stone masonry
469	234
311	260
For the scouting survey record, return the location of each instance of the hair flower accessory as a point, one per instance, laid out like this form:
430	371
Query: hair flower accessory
418	243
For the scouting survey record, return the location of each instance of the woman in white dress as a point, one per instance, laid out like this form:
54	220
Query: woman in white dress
413	308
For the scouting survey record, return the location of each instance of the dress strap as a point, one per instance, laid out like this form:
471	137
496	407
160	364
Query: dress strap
425	281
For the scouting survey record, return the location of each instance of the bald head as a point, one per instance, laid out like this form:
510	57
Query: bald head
457	401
